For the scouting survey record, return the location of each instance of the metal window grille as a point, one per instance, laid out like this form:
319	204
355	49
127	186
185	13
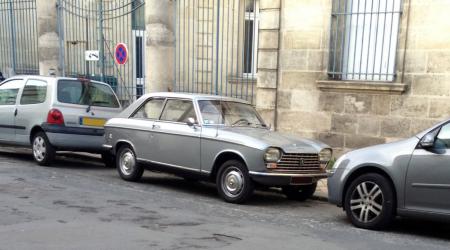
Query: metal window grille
18	37
364	39
216	47
101	25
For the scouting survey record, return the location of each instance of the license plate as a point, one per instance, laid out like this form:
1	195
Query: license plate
301	180
92	122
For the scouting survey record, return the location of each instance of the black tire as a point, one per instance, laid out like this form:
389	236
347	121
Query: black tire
43	152
108	159
131	172
237	172
378	196
299	193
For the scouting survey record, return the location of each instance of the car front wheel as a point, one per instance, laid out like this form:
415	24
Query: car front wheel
127	165
234	183
369	202
300	193
43	151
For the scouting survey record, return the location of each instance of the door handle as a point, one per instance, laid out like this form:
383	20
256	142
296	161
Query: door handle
15	112
156	127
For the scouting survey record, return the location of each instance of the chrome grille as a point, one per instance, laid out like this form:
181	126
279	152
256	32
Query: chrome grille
299	163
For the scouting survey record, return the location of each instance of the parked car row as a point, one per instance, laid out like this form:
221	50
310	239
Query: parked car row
224	140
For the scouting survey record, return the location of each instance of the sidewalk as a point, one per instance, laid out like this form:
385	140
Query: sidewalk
321	191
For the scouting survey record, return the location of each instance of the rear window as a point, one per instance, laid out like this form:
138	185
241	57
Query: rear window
86	93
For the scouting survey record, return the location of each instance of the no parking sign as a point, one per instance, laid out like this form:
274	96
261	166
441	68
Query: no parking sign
121	53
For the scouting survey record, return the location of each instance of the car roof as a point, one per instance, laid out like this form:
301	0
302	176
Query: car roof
193	96
46	78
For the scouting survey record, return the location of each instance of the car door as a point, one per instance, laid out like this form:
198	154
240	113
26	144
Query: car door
141	122
9	91
177	143
428	177
32	109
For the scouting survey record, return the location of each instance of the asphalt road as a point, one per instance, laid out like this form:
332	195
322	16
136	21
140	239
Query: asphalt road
80	204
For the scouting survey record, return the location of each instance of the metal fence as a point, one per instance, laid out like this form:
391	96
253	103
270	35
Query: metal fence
216	47
364	38
18	37
99	26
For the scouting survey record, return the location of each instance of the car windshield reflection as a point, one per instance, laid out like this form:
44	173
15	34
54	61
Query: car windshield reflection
228	113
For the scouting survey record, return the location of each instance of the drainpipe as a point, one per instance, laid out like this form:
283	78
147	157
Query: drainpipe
275	122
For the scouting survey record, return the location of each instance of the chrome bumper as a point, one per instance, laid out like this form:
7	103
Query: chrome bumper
286	179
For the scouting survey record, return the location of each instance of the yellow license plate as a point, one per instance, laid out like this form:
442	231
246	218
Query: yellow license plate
93	122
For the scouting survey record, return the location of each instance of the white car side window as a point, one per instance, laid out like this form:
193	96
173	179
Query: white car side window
9	91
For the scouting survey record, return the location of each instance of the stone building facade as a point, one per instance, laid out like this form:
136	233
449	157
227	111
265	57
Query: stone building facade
354	114
294	90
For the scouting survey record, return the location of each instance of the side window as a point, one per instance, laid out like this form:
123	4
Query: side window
9	91
150	110
35	91
178	111
443	138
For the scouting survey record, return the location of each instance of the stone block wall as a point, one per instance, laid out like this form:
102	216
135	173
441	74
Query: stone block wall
354	115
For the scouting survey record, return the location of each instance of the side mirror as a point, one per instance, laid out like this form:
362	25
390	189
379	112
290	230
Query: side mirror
427	141
190	122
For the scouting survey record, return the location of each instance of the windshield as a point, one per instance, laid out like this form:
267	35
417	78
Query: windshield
86	93
216	112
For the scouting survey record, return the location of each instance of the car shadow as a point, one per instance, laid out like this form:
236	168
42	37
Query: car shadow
261	197
408	226
421	227
63	159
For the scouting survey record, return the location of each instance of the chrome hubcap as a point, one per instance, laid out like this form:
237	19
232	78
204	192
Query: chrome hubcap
127	163
39	148
233	182
366	202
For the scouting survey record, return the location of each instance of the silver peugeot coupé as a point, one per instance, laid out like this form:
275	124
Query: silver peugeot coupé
213	138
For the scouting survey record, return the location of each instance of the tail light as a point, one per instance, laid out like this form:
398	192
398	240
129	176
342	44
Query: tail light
55	117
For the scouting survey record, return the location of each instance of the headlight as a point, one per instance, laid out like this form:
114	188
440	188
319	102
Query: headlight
325	155
272	155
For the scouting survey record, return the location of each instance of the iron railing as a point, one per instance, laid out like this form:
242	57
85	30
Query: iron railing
364	39
101	25
216	47
18	37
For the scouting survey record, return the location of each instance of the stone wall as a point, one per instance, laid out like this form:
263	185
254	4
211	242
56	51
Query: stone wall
48	38
353	115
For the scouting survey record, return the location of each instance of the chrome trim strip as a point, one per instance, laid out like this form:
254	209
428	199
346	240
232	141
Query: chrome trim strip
427	185
318	175
172	165
107	146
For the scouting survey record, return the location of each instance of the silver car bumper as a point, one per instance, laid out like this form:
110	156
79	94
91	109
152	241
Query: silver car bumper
86	143
286	179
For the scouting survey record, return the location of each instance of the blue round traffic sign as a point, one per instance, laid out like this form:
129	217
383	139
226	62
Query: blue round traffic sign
121	53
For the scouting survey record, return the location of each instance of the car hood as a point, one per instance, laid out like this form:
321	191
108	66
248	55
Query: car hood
266	138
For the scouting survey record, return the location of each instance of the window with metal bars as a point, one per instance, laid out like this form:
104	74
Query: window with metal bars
363	39
250	35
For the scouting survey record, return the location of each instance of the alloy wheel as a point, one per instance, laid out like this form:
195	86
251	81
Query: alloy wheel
366	202
39	148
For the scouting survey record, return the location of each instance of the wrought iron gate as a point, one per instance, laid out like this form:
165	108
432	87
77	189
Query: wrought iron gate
99	25
216	47
18	37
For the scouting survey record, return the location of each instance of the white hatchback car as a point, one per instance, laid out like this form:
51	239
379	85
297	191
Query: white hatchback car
54	113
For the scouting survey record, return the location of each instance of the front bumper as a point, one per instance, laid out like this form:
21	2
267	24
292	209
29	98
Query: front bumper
286	179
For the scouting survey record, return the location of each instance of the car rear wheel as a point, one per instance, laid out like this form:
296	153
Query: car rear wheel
43	152
300	193
127	165
234	183
369	202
